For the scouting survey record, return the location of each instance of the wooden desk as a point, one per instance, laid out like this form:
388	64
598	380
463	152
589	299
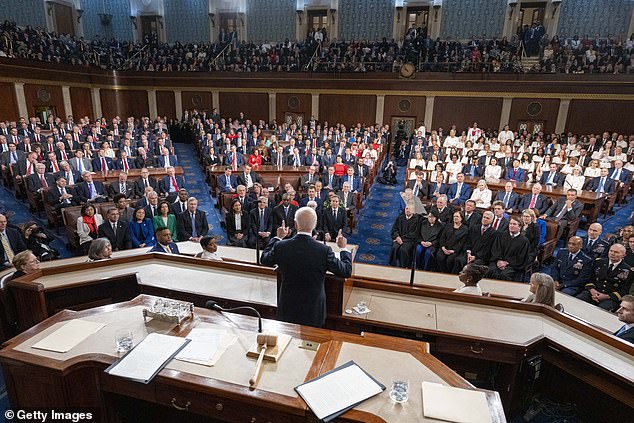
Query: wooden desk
41	379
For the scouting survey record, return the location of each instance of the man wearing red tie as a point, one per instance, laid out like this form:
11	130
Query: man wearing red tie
124	163
101	163
40	180
170	184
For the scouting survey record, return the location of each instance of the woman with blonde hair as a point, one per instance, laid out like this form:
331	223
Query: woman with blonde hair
542	290
482	195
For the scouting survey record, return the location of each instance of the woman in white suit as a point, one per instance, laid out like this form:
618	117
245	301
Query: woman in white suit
482	195
88	226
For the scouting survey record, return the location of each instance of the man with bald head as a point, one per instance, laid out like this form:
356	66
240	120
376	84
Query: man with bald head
611	280
302	263
593	246
573	268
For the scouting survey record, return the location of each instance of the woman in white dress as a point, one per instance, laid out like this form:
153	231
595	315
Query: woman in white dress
528	165
561	158
593	170
451	140
453	169
570	166
108	151
575	180
482	195
439	169
493	170
431	163
417	161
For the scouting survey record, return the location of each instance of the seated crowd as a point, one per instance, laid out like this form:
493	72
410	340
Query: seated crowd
319	54
451	218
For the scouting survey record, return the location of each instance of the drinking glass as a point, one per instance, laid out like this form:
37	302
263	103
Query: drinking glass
399	390
124	340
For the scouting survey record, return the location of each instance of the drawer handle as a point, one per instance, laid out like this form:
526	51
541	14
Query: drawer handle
178	407
480	350
219	406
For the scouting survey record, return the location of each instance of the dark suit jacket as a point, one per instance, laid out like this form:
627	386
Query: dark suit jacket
432	188
159	249
572	274
222	182
119	164
76	176
184	225
555	209
278	216
422	191
229	159
625	176
15	240
96	164
518	175
139	188
541	203
115	188
302	265
149	161
513	199
628	335
609	186
332	226
242	180
502	226
336	182
177	208
34	183
254	222
121	239
53	196
161	161
465	193
468	168
559	178
355	183
83	191
166	183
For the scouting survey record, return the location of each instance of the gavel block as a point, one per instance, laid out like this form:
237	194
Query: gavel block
272	353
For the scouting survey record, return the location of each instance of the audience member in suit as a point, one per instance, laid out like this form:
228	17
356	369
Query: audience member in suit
419	186
248	177
361	170
478	244
166	160
277	157
302	263
90	191
80	163
180	205
331	181
535	200
334	219
260	223
310	178
10	157
59	196
237	224
233	158
500	218
227	182
509	198
34	182
118	233
192	224
405	232
164	243
211	158
572	268
122	186
126	213
625	313
312	196
471	214
124	162
145	181
284	214
445	213
509	254
620	174
102	163
564	210
11	242
611	280
459	192
346	198
473	169
165	219
438	188
515	172
451	243
354	181
72	176
141	229
151	209
593	246
602	183
552	177
170	184
429	234
294	159
143	159
245	201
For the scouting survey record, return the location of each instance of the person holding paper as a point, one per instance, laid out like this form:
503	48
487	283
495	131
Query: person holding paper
303	262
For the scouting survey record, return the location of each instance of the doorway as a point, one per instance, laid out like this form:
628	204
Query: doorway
317	19
530	13
532	127
63	18
43	112
294	118
149	26
403	127
419	18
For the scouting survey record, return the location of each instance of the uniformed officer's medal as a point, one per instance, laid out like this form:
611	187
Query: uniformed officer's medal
578	264
623	275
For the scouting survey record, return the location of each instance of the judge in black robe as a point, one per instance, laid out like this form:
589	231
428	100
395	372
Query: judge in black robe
430	230
509	255
405	237
451	243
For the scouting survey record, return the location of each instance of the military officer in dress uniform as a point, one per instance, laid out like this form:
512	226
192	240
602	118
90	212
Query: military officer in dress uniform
612	280
593	246
573	268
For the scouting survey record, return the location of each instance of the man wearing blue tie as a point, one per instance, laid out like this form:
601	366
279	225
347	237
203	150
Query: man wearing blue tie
459	192
508	197
602	183
620	174
625	314
573	268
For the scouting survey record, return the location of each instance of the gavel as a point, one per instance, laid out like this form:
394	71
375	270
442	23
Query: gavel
264	341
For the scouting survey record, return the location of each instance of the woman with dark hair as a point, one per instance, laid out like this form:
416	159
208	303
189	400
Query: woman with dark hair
452	241
87	226
430	229
237	223
255	159
141	230
164	219
210	249
470	275
531	231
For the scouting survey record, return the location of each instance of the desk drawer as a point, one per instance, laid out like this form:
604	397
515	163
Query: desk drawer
477	349
219	408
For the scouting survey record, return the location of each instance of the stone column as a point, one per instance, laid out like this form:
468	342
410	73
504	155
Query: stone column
505	116
23	110
152	105
380	108
68	105
96	103
429	111
562	115
314	106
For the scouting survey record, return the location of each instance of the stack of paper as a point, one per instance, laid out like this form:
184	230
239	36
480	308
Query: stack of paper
339	390
68	336
145	360
207	346
455	404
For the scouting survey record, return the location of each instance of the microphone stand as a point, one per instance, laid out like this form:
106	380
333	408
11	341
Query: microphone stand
257	249
212	305
413	272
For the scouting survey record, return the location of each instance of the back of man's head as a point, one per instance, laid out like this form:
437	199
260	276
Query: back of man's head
305	219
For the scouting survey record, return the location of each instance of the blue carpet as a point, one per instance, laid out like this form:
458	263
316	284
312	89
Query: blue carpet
380	210
197	186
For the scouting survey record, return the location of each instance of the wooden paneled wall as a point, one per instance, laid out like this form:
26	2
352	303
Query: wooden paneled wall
299	104
165	104
254	105
199	100
81	102
534	110
404	106
8	105
463	111
44	95
347	108
124	103
596	116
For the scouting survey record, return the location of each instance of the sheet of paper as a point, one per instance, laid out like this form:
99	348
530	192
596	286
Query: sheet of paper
338	390
148	357
226	341
68	336
205	343
439	402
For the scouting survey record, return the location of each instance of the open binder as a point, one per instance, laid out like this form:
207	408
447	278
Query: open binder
339	390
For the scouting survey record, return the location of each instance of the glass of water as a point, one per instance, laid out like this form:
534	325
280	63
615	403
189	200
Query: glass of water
362	306
124	341
399	391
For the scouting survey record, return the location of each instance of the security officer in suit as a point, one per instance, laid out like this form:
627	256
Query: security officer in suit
593	246
573	268
302	263
612	280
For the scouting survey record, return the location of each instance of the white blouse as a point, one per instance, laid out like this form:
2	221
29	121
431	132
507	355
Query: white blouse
482	197
493	172
592	172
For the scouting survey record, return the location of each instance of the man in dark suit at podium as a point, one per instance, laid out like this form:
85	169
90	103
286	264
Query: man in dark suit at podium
302	263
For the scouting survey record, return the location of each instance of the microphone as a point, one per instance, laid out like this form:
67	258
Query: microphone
212	305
